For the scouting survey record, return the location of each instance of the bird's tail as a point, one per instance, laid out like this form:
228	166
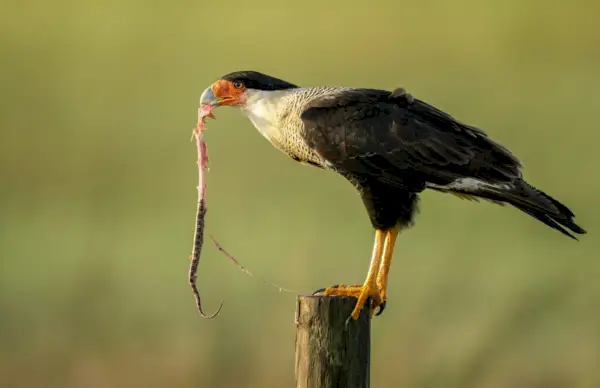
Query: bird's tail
537	204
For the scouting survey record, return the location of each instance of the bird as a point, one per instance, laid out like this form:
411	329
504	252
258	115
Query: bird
391	146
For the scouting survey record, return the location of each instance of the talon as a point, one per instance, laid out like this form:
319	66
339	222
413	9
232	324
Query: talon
381	308
324	290
320	290
362	293
347	322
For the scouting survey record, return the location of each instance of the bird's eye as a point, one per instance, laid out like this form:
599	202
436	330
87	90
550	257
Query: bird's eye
238	84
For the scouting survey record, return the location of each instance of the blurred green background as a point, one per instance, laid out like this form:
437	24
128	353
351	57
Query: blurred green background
98	194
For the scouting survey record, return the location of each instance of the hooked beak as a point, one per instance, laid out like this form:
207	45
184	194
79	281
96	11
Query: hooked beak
208	97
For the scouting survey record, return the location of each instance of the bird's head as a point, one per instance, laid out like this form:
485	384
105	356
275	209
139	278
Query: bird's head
237	88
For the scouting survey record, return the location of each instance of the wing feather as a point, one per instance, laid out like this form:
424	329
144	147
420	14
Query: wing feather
401	140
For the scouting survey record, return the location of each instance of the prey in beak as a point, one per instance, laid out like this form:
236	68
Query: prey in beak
204	111
220	93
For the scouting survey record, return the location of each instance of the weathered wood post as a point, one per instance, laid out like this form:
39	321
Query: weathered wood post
331	352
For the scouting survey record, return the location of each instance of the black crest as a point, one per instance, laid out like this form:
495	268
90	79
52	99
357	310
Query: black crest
256	80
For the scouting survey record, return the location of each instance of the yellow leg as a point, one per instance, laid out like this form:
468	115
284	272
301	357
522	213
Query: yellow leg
369	288
386	261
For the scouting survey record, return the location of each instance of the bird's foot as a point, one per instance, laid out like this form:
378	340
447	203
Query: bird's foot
362	293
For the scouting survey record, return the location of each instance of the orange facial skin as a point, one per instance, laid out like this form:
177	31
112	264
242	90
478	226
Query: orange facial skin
229	93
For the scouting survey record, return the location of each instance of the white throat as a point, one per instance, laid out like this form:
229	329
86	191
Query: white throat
264	108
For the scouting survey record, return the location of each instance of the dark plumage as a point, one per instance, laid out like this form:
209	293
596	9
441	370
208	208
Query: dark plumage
393	146
390	146
258	81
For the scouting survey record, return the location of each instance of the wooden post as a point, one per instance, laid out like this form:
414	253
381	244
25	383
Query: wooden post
331	351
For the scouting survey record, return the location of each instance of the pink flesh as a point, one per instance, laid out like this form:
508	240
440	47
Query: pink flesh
203	112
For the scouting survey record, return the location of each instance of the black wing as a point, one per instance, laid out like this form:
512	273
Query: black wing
400	140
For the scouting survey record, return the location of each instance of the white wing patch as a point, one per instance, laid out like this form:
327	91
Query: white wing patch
470	185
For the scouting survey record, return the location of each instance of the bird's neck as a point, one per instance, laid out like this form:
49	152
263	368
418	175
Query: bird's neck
265	109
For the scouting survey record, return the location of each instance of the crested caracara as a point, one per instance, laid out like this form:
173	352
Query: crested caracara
390	146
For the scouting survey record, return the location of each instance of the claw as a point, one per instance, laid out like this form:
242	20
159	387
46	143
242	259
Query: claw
322	290
375	301
381	307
